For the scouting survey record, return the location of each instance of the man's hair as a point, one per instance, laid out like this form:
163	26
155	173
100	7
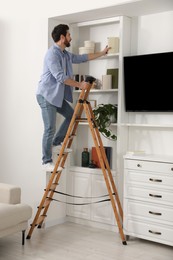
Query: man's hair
59	30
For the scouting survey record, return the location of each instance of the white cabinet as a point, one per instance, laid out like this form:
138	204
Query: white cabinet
89	196
148	198
79	185
102	211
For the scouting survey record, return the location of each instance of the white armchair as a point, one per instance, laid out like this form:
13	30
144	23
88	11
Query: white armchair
14	215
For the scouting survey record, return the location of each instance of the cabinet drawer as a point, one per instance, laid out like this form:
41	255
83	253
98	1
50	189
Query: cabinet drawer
151	212
151	195
149	166
162	234
149	178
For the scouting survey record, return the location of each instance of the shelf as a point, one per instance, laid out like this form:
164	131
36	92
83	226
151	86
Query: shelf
150	157
86	123
111	55
89	170
107	56
98	91
99	21
149	125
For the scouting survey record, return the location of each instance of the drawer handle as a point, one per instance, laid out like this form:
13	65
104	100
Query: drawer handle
155	213
139	165
155	180
155	196
154	232
171	169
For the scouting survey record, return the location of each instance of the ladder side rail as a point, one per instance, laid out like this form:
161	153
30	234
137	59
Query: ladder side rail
73	125
101	151
40	207
99	145
60	162
50	196
108	168
48	191
61	154
83	94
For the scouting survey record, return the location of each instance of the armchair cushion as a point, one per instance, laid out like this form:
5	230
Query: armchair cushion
14	215
11	215
9	193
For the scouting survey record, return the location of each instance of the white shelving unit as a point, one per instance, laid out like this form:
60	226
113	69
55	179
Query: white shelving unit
86	181
98	31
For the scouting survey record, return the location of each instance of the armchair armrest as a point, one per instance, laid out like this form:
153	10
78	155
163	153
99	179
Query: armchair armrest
10	194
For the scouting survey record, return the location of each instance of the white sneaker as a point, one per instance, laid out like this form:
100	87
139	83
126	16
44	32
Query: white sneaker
56	149
49	167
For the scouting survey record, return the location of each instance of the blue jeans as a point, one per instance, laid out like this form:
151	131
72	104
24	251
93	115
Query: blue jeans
51	138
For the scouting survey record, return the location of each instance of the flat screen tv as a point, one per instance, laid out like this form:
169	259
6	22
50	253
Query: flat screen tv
148	82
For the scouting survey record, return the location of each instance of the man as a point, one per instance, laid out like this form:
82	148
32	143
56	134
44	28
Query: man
55	89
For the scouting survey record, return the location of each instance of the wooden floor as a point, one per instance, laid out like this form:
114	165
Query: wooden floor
76	242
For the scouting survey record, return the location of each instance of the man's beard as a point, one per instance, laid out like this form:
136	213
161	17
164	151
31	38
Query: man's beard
67	44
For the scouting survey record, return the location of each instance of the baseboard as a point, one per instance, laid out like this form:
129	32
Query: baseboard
51	223
92	224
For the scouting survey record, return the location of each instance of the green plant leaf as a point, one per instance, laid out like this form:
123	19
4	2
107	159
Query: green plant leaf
102	114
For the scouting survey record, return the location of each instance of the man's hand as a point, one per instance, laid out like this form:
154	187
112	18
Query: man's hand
84	85
106	49
93	56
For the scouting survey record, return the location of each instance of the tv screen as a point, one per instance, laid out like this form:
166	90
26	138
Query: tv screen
148	82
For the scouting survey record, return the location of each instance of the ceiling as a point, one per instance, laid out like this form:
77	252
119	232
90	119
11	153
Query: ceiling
134	8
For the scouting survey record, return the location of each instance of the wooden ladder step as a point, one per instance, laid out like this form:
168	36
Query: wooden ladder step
53	186
81	120
47	202
71	136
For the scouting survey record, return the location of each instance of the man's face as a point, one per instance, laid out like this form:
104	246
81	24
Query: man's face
67	39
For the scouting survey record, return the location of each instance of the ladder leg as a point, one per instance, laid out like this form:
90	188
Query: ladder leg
40	218
103	162
107	166
50	196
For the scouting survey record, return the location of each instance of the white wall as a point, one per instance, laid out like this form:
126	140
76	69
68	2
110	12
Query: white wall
154	35
23	43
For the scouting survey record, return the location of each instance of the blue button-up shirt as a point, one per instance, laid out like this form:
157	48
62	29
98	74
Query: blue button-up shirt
56	69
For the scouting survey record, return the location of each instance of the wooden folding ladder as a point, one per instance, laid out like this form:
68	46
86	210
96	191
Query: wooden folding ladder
82	104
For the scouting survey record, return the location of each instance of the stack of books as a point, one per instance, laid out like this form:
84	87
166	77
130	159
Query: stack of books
95	158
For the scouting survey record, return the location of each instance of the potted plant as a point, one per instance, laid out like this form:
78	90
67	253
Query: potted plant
105	114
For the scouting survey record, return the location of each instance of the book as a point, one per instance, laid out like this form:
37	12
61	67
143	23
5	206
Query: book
114	73
95	158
